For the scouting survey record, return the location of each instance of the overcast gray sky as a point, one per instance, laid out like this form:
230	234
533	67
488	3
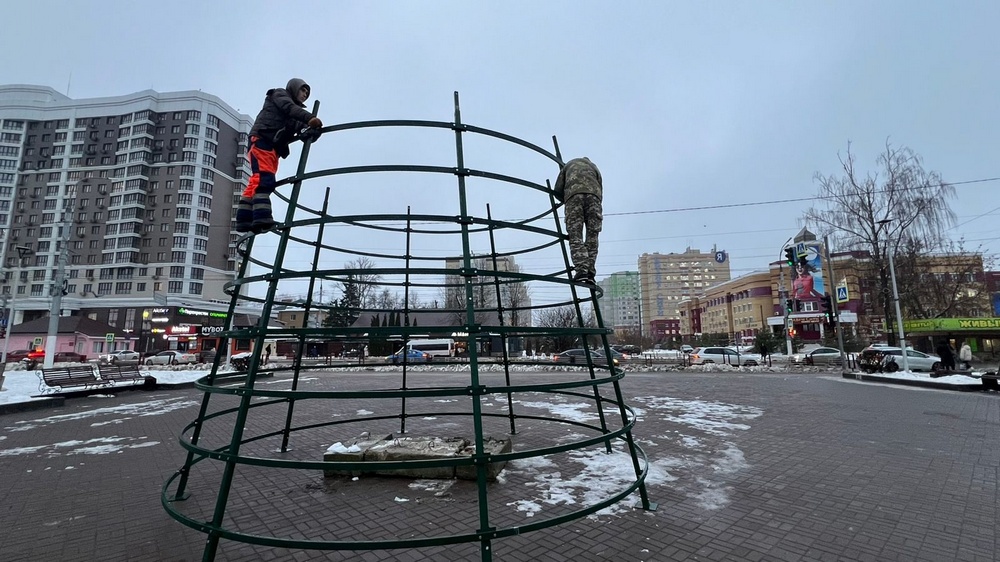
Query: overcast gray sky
681	104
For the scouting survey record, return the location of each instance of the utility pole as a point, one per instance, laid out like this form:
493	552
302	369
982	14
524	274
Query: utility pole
58	287
22	253
782	297
833	307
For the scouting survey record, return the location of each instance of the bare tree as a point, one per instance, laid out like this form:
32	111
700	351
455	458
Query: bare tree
367	281
855	205
386	300
935	285
515	296
558	318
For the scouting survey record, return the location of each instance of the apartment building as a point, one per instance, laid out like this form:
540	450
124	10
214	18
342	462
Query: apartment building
620	303
667	279
515	297
121	203
738	308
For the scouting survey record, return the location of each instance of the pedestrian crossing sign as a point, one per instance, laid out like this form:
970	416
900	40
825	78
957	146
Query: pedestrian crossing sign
842	295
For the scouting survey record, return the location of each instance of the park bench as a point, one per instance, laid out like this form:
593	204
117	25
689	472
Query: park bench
61	378
112	374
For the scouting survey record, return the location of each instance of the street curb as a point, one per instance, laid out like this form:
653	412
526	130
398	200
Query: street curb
972	387
14	407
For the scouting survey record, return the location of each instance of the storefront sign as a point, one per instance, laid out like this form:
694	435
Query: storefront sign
211	330
951	325
206	313
185	330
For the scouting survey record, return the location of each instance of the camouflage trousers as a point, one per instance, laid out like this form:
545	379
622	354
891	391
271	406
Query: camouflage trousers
583	211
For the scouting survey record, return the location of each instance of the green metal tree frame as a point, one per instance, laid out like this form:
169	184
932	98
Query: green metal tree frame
253	400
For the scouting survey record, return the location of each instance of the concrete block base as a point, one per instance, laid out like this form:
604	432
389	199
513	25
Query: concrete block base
388	448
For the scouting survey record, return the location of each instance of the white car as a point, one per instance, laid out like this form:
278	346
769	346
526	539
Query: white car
122	356
892	359
723	355
819	356
172	357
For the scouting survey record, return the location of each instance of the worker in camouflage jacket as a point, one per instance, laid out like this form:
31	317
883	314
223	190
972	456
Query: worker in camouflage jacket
579	187
281	121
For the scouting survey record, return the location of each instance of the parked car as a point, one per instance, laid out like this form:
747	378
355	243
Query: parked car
579	357
69	357
818	356
686	348
724	355
34	357
618	356
412	356
17	355
120	357
627	349
172	357
890	359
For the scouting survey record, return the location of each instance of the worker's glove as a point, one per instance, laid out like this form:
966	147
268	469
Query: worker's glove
310	135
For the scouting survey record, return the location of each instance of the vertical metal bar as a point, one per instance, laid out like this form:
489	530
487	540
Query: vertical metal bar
260	333
224	345
286	432
406	316
471	327
576	298
500	311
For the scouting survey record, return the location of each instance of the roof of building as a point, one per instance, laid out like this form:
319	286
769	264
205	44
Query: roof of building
68	325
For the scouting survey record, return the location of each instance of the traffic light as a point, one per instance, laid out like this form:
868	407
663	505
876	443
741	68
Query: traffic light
828	308
788	306
791	332
790	256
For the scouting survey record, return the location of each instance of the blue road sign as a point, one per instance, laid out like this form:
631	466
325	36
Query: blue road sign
800	249
720	257
842	295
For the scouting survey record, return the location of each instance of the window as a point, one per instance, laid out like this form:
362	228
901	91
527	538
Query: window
175	286
194	288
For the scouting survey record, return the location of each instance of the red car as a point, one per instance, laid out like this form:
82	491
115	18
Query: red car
38	356
17	354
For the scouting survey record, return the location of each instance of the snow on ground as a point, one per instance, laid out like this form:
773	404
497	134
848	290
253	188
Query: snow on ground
701	469
22	386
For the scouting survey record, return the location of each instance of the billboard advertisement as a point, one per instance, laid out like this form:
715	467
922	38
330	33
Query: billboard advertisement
807	275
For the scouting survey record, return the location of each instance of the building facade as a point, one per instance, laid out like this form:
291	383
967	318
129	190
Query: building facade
515	296
668	279
121	203
620	304
738	308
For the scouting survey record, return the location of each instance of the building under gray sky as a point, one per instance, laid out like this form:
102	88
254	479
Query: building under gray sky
123	201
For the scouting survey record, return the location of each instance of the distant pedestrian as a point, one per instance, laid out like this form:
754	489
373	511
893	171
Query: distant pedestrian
313	351
965	355
267	354
947	355
580	187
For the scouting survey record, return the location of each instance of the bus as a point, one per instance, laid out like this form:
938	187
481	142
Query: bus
436	348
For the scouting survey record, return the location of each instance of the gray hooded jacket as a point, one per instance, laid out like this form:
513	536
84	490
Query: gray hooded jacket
282	114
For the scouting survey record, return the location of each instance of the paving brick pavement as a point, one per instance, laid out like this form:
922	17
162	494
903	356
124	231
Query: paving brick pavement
748	466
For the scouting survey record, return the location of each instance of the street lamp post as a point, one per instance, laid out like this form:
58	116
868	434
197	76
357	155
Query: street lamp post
22	254
895	300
